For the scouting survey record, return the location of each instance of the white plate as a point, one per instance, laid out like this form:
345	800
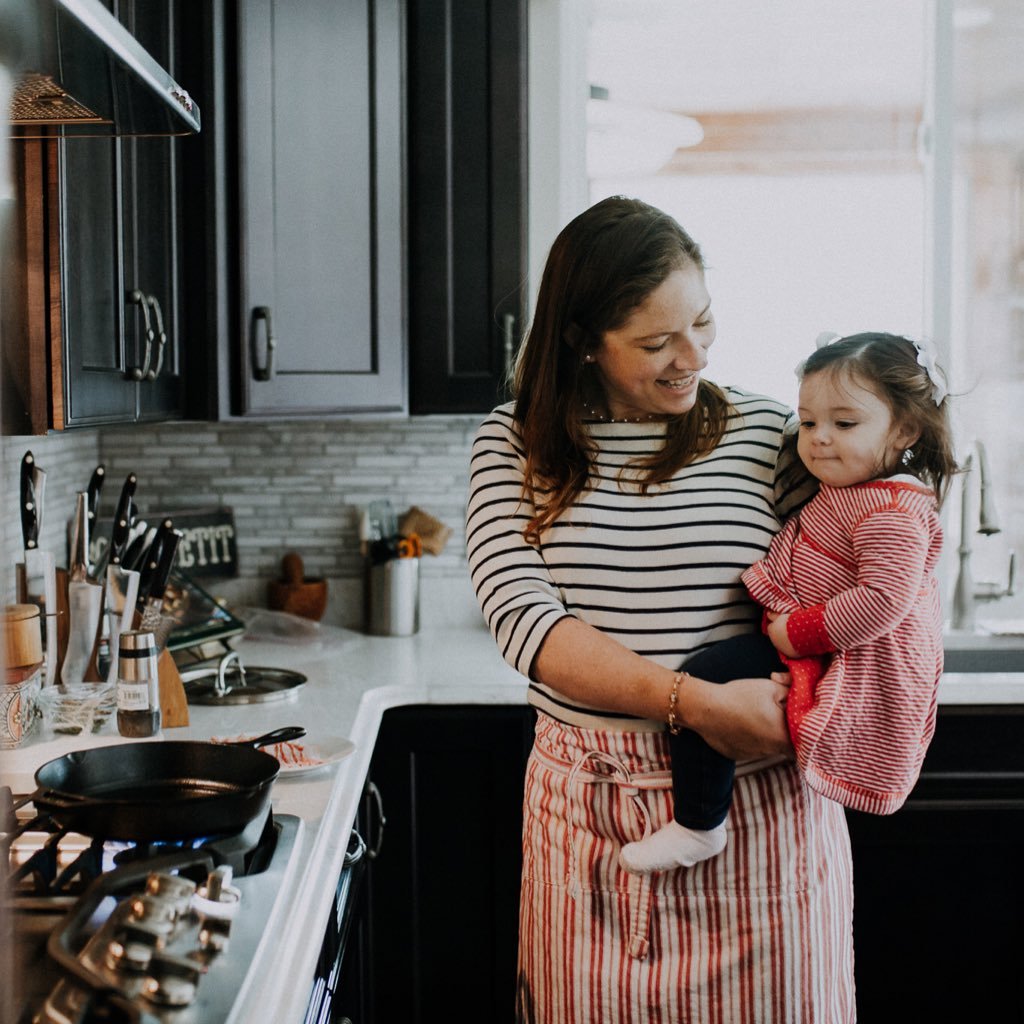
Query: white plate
328	751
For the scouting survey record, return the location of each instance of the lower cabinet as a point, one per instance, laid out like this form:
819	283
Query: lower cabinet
441	924
939	886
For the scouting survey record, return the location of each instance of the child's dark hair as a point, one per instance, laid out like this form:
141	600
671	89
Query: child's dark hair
904	376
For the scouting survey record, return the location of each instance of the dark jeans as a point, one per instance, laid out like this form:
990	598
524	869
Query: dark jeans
702	777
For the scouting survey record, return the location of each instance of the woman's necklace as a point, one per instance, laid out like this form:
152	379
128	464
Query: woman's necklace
601	418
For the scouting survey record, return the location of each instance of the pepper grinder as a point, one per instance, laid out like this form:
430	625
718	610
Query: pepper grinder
138	684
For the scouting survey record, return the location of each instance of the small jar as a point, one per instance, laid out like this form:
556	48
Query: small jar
22	661
138	684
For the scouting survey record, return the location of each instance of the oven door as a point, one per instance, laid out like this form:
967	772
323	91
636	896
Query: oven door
337	985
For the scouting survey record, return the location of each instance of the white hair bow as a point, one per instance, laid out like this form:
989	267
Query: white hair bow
926	359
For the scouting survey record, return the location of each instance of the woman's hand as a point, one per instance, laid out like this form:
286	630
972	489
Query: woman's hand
745	718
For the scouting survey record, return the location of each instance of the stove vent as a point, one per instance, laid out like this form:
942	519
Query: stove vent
85	74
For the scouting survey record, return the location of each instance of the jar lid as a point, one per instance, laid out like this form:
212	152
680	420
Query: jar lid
139	643
17	612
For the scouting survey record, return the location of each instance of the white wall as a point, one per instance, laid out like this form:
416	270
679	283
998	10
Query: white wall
790	256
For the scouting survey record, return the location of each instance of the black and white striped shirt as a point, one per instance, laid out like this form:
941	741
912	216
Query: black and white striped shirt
658	572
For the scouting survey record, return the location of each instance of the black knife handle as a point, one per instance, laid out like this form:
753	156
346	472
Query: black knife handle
151	559
29	512
168	552
122	520
93	491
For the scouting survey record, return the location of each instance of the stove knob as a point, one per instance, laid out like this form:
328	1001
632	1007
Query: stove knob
213	934
217	898
173	888
159	914
171	980
133	947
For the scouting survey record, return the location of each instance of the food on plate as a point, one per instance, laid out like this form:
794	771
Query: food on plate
290	754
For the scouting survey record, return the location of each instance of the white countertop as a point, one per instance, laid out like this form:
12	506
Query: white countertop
352	680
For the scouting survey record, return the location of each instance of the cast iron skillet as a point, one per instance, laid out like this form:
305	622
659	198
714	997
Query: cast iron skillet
176	789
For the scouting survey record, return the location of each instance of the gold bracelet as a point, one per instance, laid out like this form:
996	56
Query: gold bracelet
674	725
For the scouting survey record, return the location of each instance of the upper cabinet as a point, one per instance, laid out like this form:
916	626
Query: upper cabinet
120	252
467	201
322	325
346	235
93	317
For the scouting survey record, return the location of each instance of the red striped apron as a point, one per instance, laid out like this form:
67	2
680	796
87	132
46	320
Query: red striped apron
761	934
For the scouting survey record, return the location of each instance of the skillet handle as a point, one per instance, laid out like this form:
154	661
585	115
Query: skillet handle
50	798
282	735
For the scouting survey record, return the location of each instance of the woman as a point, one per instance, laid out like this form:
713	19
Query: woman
612	509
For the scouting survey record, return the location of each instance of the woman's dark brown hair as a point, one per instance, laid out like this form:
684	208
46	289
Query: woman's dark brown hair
602	266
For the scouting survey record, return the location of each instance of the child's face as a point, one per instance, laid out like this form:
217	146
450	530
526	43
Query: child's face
847	433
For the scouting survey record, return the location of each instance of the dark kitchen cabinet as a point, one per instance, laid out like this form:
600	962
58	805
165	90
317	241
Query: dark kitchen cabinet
467	200
99	235
322	326
120	258
443	890
938	886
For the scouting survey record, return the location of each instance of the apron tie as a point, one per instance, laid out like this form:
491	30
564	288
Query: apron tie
640	911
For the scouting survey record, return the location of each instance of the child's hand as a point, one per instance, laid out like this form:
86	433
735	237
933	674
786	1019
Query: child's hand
778	635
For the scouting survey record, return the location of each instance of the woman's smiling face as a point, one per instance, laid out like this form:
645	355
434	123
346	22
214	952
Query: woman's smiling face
847	432
651	365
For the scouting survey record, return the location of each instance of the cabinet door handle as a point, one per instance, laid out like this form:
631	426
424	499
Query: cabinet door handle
161	337
266	371
139	372
508	331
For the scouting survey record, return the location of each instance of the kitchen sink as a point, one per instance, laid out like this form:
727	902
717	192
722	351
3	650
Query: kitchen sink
977	652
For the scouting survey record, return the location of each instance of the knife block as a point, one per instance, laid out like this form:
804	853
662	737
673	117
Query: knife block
173	703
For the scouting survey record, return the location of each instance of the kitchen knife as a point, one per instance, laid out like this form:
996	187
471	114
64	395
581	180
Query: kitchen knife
37	578
140	539
122	584
122	520
92	492
151	561
85	598
152	619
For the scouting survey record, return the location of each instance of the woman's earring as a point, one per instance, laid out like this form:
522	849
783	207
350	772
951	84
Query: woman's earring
588	358
907	457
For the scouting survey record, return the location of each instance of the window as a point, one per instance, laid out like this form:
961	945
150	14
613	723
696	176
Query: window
805	186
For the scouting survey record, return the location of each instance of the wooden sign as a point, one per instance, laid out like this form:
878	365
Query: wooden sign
208	546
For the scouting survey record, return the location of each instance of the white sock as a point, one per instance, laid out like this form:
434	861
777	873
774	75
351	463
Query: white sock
672	846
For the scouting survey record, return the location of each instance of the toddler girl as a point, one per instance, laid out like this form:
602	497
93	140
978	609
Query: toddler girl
851	601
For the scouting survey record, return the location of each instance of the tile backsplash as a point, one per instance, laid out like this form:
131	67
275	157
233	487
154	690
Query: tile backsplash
292	486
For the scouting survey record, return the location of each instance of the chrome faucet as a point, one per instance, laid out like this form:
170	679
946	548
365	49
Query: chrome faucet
967	594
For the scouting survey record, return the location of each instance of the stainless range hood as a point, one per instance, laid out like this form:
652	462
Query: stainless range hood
86	74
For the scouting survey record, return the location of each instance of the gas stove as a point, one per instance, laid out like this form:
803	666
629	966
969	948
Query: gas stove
145	933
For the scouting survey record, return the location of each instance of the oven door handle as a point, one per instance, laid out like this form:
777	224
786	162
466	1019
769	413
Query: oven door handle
356	849
376	803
